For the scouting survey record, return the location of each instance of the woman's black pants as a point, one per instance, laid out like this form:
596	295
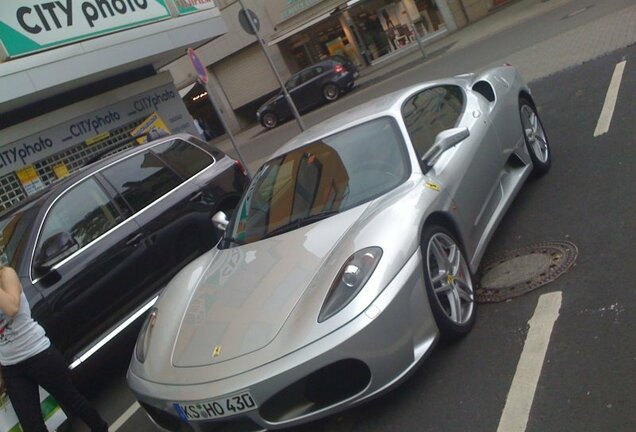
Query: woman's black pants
48	370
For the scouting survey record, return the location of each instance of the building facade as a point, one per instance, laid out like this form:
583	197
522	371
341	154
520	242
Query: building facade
299	33
79	79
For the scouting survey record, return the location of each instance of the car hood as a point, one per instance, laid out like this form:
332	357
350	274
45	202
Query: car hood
269	101
248	292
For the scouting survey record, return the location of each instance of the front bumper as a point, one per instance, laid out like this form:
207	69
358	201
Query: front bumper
368	355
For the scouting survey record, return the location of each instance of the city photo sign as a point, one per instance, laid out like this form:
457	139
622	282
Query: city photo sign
186	7
27	26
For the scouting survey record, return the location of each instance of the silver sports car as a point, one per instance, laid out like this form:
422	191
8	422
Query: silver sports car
347	258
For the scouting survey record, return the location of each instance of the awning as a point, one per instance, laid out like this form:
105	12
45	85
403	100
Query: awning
304	20
301	27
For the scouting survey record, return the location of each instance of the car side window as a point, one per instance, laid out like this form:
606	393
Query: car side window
311	73
141	179
430	112
293	82
186	159
85	212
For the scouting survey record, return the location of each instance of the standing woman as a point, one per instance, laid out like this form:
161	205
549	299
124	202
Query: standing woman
28	360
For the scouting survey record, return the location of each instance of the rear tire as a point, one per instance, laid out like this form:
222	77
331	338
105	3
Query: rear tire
331	92
269	120
448	281
535	137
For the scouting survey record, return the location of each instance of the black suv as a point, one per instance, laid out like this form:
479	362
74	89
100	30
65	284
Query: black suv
93	250
308	88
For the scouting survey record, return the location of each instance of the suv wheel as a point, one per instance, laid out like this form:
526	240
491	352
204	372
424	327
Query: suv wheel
331	92
269	120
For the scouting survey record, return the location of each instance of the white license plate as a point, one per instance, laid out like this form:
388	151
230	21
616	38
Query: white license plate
216	408
356	74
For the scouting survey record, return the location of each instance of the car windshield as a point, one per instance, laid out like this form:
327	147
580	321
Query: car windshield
14	228
320	179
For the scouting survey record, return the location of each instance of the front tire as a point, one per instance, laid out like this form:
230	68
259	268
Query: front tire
535	137
331	92
448	281
269	120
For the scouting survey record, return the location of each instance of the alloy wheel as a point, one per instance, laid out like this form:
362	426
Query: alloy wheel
535	135
331	92
450	278
270	120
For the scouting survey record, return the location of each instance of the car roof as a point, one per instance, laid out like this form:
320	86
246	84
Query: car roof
325	62
386	105
86	171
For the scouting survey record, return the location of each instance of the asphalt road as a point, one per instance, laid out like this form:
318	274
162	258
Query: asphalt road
588	377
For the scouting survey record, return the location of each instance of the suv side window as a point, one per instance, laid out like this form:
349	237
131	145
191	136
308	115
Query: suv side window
293	82
85	212
141	179
430	112
185	158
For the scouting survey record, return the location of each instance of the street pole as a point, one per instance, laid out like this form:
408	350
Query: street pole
417	34
292	106
227	129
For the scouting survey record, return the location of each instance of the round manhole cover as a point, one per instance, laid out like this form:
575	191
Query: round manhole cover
522	270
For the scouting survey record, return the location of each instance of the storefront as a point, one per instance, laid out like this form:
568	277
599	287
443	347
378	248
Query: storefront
75	90
365	31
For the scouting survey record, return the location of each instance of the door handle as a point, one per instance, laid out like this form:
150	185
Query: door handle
135	240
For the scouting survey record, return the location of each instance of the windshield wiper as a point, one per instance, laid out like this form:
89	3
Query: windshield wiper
300	222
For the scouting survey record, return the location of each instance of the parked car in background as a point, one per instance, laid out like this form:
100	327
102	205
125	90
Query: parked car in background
349	255
313	86
93	250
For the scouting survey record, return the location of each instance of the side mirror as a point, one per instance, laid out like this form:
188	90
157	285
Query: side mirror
444	141
219	220
55	249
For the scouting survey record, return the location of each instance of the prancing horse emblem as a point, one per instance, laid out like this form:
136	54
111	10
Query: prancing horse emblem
217	351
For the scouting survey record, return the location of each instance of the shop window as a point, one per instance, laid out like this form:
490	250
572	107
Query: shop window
430	17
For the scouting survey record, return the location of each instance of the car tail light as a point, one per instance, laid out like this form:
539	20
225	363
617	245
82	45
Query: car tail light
240	166
339	68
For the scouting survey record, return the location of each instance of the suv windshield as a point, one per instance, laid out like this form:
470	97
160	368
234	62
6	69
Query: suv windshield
320	179
14	228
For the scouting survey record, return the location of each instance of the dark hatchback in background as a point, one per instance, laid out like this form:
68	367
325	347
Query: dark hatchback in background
318	84
93	250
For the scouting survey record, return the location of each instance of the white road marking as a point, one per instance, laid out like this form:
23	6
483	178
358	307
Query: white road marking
610	100
524	384
124	417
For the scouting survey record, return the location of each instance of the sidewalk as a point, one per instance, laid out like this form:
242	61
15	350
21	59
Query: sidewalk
500	20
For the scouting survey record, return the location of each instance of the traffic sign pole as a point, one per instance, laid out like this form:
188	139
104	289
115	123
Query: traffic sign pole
248	13
202	74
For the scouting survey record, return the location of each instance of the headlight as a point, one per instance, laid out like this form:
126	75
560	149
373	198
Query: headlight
143	340
350	280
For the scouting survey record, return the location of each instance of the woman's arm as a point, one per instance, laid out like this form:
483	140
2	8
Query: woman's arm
10	291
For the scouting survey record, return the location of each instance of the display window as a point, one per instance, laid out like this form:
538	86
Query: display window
387	26
364	32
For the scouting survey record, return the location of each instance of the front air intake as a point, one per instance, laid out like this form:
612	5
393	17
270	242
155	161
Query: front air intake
327	386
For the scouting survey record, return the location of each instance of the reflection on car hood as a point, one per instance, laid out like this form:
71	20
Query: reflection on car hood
248	292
